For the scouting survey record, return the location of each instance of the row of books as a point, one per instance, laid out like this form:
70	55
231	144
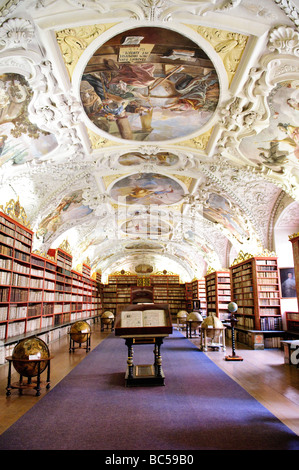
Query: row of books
271	323
246	322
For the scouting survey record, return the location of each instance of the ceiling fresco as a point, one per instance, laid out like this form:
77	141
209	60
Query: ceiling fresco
151	136
149	84
147	189
20	140
161	159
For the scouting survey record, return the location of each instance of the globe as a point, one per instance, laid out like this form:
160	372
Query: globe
196	316
210	324
182	314
107	317
232	307
25	354
80	331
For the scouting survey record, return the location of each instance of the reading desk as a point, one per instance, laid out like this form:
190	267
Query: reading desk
144	324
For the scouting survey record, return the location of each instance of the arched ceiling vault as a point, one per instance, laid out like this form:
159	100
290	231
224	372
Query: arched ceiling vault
150	135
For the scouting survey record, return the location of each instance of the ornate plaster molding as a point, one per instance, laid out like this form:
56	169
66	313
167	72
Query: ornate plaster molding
15	33
290	10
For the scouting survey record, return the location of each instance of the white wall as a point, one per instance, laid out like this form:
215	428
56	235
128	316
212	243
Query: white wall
284	251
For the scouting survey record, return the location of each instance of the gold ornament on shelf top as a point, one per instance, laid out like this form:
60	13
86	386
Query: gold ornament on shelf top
14	210
294	235
241	257
245	256
43	255
65	246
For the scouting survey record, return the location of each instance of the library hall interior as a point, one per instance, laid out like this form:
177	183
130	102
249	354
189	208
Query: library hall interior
149	225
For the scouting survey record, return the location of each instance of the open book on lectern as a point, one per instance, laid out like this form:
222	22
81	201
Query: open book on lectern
143	318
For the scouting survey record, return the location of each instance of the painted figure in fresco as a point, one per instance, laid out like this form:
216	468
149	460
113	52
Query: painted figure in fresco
20	140
193	91
292	136
149	188
118	97
218	210
70	208
162	159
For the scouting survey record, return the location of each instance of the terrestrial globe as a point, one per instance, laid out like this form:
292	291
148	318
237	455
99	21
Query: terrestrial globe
182	314
27	355
107	317
232	307
80	331
213	326
196	316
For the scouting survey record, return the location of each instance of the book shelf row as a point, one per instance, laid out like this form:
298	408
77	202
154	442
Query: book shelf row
38	292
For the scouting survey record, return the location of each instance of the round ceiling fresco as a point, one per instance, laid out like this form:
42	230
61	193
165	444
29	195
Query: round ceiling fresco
147	189
149	84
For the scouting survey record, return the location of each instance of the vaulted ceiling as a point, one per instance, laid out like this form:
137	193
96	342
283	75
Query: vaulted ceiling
151	135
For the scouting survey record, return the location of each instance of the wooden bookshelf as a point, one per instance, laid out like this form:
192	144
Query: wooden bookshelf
199	292
189	295
218	293
292	319
256	290
39	293
118	291
166	289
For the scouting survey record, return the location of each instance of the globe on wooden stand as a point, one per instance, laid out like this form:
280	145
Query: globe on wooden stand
79	333
233	307
107	320
212	333
30	358
193	320
181	318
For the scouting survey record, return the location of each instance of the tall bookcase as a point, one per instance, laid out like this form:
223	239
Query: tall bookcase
168	289
256	290
39	293
218	293
118	291
199	292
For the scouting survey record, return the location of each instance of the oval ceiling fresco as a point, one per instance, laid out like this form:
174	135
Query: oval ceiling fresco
145	226
149	84
147	189
141	245
136	158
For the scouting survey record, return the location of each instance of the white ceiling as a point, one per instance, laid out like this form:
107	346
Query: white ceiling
196	184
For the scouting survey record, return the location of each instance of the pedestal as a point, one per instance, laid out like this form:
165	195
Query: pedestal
145	374
205	332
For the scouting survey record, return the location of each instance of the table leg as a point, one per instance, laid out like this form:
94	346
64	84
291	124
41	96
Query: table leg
158	358
37	388
48	376
129	343
8	388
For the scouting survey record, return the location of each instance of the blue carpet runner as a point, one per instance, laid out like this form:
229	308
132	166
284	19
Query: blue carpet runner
199	408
